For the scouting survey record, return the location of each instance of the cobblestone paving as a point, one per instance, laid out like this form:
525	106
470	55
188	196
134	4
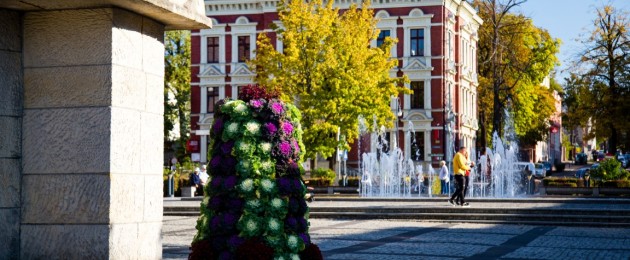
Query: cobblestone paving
393	240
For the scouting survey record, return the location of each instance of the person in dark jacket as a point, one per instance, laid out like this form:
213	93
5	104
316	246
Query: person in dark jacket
195	181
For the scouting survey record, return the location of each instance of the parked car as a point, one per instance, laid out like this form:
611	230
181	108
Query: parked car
530	168
601	156
548	167
622	159
541	171
580	159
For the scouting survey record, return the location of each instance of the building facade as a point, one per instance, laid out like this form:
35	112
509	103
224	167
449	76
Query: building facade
436	49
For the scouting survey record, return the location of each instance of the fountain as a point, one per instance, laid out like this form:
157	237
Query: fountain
392	174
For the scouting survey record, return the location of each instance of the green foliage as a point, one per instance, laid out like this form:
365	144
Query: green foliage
609	169
177	88
328	69
599	96
560	182
327	175
515	57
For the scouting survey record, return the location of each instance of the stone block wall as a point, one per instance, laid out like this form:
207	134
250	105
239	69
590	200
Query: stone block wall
92	135
11	92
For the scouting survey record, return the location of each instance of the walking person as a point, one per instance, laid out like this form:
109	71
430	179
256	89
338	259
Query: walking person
459	170
444	178
467	175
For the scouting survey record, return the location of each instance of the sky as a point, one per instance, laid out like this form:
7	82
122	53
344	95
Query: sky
568	20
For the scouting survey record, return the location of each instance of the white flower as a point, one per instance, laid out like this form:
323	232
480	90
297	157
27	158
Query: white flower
253	203
276	203
252	127
232	127
267	185
240	108
266	147
273	224
243	146
292	241
247	185
266	165
295	257
251	225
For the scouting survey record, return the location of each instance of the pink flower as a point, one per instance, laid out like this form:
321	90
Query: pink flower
255	103
277	108
271	128
287	128
285	148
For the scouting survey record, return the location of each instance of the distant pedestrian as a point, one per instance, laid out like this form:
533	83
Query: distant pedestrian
444	178
467	175
203	175
195	181
459	170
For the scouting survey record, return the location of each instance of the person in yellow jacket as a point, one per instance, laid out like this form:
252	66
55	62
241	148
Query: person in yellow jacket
460	166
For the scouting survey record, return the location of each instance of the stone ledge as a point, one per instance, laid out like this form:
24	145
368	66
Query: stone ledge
174	14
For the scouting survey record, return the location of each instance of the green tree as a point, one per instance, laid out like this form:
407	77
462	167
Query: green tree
177	88
606	60
514	58
329	70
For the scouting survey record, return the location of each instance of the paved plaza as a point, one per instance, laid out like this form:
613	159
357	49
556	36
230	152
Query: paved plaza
391	240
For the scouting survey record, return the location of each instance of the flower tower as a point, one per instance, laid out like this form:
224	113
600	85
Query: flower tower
254	207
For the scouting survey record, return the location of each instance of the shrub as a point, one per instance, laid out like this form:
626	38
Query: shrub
351	181
324	174
560	182
318	182
609	169
616	184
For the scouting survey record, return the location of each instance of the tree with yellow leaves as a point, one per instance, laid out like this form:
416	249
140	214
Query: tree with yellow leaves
328	68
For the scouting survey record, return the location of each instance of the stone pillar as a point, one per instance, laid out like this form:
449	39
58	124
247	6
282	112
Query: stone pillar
11	90
91	136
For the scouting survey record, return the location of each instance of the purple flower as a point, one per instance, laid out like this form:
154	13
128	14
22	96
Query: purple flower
287	128
284	186
229	219
305	238
291	223
216	182
277	108
271	128
218	125
235	241
215	162
236	204
225	255
229	182
226	148
285	148
215	223
215	203
256	103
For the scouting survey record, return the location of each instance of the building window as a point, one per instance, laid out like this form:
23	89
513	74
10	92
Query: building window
381	37
417	42
213	97
417	98
213	49
243	48
417	146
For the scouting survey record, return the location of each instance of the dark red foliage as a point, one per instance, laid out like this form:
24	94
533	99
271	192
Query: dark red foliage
201	250
253	249
250	92
311	252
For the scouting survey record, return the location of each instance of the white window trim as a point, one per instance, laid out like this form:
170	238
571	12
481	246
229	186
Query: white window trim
218	30
243	28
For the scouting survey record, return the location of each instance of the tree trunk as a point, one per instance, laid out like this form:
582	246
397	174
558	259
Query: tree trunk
483	142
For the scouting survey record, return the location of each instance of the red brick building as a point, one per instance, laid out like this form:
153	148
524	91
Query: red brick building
436	49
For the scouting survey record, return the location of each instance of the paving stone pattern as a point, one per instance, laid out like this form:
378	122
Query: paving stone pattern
393	240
